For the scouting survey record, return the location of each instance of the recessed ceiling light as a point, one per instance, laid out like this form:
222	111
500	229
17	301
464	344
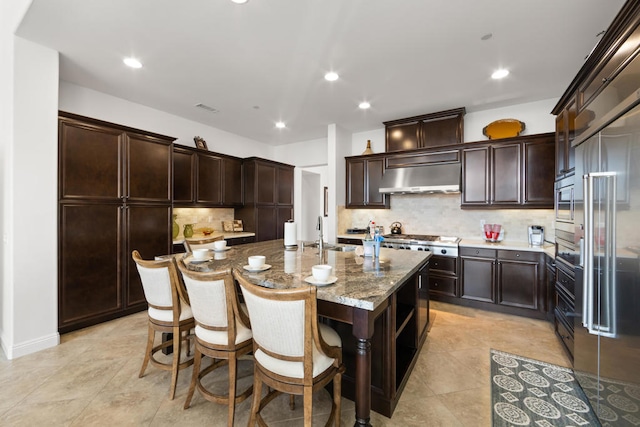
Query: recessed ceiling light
280	125
331	76
364	105
239	1
132	62
500	74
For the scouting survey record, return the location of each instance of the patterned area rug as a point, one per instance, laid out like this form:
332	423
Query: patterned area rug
526	392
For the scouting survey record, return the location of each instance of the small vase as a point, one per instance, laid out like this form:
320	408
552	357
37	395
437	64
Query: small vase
188	230
368	150
176	228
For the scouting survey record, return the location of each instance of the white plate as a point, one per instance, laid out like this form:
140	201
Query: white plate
253	270
222	250
331	280
198	261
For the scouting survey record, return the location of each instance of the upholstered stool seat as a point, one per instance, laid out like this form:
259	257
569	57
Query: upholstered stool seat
168	312
223	332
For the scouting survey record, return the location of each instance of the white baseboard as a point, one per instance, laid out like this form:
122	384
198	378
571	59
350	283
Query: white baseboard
28	347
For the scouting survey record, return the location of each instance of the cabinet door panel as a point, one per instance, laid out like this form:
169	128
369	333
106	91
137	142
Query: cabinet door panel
90	280
374	171
355	183
209	185
266	183
475	176
232	189
265	223
89	161
147	231
183	176
518	284
538	182
403	136
478	279
506	174
148	169
438	132
285	186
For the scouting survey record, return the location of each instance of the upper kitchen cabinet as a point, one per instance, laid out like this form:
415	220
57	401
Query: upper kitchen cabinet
105	163
509	173
207	179
268	198
364	174
428	130
565	133
608	76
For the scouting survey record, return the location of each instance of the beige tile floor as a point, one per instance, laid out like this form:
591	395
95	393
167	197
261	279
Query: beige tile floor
91	378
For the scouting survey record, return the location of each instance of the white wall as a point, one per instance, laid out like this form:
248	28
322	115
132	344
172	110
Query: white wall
29	288
303	154
86	102
536	116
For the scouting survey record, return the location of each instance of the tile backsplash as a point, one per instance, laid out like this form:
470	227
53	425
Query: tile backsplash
440	214
202	217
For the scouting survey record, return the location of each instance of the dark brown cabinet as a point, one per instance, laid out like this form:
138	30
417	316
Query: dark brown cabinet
428	130
268	198
443	275
364	175
518	279
478	274
502	280
565	133
202	178
114	197
509	173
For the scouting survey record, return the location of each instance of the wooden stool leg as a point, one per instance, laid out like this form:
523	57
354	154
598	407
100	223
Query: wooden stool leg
147	354
233	373
176	361
292	402
308	405
197	359
257	394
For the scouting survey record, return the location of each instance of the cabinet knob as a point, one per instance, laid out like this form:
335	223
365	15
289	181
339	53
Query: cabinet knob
477	252
435	284
517	255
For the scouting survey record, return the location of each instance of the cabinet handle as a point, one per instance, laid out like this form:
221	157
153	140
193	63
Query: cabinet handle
605	79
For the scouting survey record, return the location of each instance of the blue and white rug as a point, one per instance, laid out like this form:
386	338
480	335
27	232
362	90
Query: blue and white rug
526	392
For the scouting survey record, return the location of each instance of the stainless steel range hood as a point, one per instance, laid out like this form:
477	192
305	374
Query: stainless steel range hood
436	178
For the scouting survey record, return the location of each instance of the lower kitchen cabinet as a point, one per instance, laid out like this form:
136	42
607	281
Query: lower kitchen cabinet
443	275
98	280
500	280
518	279
478	274
564	305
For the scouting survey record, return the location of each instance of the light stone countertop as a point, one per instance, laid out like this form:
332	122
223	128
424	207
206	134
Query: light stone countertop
351	236
547	248
362	282
226	235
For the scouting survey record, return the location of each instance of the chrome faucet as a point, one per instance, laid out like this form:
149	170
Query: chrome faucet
320	237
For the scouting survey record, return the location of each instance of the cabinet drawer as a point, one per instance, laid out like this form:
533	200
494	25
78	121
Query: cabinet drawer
442	285
565	335
519	255
565	308
478	252
444	265
566	281
417	159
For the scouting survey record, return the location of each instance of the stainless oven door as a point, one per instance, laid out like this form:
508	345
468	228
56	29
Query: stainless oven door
564	201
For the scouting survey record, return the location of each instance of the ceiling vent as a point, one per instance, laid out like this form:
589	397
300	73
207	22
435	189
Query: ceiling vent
206	107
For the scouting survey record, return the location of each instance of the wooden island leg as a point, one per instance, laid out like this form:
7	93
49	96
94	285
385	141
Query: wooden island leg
363	331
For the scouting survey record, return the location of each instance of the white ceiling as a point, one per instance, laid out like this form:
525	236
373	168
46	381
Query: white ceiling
264	61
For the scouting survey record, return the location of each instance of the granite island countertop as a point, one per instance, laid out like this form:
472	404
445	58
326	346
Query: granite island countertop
363	282
225	235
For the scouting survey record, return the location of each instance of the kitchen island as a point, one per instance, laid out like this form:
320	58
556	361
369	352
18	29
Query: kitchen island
378	306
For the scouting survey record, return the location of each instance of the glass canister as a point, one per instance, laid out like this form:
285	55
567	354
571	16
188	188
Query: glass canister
188	230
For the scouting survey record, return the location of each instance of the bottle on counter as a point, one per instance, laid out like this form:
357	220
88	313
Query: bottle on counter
368	242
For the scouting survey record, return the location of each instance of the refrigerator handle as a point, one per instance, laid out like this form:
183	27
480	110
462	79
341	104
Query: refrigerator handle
587	254
607	323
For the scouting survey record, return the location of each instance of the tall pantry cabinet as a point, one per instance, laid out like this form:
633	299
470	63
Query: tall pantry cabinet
114	191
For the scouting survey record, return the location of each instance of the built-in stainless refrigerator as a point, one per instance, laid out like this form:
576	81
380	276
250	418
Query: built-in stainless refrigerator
607	317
